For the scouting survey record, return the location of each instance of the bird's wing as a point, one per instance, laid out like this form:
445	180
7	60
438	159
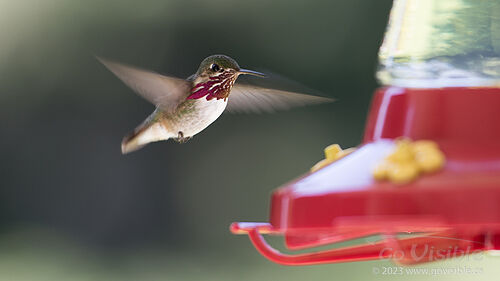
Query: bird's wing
253	99
163	91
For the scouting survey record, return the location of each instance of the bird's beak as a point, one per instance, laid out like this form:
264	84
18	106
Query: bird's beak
251	72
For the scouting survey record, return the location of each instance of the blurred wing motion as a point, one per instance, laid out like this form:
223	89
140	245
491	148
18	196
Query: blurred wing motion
253	99
163	91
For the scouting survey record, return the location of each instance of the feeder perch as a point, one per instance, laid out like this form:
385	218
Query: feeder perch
439	92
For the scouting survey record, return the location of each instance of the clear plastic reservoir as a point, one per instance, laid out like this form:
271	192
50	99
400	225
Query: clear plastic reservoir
441	43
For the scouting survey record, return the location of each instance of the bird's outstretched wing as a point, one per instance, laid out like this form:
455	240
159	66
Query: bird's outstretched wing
253	99
163	91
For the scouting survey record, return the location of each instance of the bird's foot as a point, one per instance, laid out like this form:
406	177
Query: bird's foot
180	138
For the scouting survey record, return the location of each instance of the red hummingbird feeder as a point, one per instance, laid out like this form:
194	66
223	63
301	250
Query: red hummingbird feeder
441	88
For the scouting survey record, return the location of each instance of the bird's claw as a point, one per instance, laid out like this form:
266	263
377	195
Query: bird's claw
180	138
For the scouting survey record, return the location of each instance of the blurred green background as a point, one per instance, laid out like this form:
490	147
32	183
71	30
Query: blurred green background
73	208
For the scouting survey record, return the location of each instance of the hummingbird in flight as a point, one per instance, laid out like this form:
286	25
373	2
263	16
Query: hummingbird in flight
185	107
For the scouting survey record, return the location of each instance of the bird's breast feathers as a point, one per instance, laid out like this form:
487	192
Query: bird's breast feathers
193	116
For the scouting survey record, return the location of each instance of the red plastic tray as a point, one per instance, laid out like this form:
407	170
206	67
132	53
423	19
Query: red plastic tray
456	209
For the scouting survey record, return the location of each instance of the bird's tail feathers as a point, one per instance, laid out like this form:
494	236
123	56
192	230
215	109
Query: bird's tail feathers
148	131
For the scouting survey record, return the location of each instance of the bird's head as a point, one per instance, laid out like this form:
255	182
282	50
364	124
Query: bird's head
215	77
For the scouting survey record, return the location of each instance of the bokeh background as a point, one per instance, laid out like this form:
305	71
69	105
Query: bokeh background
73	208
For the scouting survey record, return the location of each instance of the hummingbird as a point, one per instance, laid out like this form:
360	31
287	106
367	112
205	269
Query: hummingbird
185	107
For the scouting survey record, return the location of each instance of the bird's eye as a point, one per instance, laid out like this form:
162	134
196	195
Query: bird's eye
214	67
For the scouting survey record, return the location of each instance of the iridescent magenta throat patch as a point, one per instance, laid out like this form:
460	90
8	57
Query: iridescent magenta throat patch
216	87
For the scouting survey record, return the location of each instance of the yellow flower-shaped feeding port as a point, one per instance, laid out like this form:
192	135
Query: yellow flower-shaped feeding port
332	153
409	160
